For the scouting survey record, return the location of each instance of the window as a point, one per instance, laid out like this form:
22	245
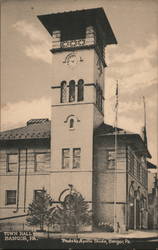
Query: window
72	91
74	33
65	158
142	177
72	87
72	123
138	170
12	162
38	193
63	92
131	163
71	158
40	160
99	97
145	178
80	90
111	159
10	197
76	157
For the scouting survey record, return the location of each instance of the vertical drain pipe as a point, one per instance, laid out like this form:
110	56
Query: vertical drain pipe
127	193
25	182
18	183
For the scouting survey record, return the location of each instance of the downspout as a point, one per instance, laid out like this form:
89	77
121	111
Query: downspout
18	183
127	196
135	213
25	183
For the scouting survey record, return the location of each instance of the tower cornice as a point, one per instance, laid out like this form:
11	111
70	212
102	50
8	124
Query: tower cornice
78	21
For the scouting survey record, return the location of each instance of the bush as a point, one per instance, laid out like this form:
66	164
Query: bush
72	213
40	210
107	227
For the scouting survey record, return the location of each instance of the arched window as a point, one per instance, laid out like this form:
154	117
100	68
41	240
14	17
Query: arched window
63	96
80	93
72	91
99	97
72	123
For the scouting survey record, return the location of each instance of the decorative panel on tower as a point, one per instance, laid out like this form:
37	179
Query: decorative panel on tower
79	29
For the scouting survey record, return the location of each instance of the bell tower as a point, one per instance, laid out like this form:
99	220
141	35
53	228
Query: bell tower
78	42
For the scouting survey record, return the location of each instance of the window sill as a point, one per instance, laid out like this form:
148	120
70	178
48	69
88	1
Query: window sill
72	102
11	173
11	205
70	169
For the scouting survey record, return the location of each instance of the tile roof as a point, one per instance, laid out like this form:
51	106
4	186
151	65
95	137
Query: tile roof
124	136
105	129
34	129
41	129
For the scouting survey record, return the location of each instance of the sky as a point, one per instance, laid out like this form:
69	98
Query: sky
26	62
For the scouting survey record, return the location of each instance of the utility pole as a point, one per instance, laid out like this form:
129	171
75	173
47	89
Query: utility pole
115	170
144	129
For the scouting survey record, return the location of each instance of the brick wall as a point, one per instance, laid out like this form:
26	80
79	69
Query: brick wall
105	181
36	158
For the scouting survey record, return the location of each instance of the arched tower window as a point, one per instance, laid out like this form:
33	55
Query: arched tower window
72	91
80	94
63	96
72	123
99	97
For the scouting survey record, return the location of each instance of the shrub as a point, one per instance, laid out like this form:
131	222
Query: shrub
72	213
40	210
107	227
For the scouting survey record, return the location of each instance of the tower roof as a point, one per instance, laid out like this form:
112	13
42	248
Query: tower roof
79	20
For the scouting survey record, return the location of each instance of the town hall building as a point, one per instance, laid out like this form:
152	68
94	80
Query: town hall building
76	148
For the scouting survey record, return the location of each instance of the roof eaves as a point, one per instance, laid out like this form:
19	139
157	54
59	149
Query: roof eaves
151	165
129	134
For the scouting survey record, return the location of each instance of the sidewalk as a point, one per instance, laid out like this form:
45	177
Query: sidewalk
102	235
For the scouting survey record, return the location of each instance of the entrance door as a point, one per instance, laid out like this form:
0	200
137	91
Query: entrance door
137	214
131	213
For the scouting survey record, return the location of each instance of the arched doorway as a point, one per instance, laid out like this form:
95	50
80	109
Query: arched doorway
143	212
137	209
131	207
